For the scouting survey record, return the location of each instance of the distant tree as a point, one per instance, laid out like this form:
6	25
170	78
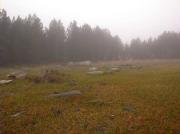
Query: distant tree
26	41
55	44
34	35
73	42
5	24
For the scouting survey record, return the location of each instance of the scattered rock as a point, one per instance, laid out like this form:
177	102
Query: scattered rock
129	108
96	72
96	101
70	93
114	68
12	77
2	82
16	75
92	69
85	63
17	114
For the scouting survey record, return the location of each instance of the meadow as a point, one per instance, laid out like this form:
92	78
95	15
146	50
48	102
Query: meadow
140	97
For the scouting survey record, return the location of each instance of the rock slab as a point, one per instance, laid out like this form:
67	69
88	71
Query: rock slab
69	93
2	82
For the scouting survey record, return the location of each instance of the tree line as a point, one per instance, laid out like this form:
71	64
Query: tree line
26	41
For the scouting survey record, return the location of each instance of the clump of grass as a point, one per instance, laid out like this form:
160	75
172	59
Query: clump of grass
34	78
50	76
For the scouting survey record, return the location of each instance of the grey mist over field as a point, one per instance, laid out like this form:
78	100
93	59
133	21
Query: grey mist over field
51	31
126	18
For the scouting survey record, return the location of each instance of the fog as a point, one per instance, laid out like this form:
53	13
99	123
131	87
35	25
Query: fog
127	18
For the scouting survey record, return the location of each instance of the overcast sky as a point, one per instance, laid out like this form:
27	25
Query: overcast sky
127	18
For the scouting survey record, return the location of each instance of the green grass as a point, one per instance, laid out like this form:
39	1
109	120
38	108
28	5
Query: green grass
152	95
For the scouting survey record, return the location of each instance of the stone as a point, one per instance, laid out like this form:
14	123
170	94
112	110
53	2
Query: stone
69	93
12	77
81	63
129	108
95	72
2	82
84	63
17	114
114	68
92	69
16	75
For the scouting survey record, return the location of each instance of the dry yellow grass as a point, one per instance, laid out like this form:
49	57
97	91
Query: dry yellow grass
142	101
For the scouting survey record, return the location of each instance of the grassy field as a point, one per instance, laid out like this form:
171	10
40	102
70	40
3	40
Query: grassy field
143	99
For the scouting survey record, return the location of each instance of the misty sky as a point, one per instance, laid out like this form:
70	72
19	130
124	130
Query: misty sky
127	18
